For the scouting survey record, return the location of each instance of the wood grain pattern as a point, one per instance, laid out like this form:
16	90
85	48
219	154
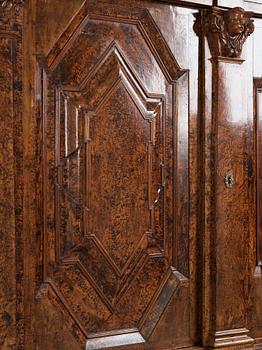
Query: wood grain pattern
227	257
109	136
8	289
118	228
11	175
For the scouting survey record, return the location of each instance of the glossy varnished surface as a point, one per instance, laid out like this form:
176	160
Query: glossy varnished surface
115	199
231	204
117	220
226	288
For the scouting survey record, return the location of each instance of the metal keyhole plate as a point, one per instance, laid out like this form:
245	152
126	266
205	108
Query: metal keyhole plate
229	180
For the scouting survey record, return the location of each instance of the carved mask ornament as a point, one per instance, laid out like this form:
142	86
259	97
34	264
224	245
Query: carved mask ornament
8	9
226	31
10	3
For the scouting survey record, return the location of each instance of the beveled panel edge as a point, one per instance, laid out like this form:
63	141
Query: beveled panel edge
173	281
137	16
232	337
114	341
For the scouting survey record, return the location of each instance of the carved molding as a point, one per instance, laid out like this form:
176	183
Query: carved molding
232	337
226	31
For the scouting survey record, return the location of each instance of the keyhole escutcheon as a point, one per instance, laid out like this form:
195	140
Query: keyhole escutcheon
229	180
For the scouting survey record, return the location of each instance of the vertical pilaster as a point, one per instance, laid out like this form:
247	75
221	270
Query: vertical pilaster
225	216
11	180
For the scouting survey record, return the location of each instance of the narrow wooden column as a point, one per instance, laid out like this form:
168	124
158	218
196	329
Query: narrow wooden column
11	175
225	214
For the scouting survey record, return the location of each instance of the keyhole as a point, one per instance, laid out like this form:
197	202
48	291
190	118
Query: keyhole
229	180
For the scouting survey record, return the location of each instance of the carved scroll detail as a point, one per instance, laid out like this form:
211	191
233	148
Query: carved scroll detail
226	31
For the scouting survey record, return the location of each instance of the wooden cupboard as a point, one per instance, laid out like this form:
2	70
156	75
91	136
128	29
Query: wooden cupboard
130	174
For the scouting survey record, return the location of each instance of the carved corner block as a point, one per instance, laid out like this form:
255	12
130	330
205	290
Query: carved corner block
226	31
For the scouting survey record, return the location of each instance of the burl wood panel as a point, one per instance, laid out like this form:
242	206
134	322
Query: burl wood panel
226	287
11	160
231	203
8	284
115	170
227	278
116	257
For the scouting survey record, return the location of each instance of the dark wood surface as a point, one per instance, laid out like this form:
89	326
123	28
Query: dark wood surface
115	206
130	177
11	178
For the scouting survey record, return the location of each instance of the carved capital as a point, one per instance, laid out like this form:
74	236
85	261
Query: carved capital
10	3
9	9
226	31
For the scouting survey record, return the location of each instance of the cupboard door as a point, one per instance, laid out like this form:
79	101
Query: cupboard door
115	194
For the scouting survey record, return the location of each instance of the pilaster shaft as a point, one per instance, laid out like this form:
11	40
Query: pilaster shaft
226	274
